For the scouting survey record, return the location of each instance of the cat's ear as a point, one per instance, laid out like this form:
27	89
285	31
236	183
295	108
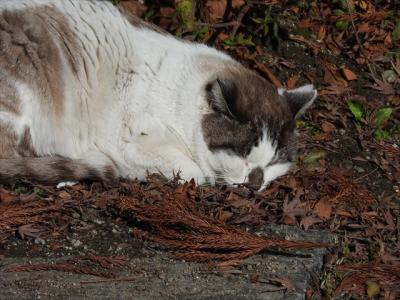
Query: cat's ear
299	99
223	96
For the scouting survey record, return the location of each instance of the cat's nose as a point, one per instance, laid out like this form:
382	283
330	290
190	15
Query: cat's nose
256	178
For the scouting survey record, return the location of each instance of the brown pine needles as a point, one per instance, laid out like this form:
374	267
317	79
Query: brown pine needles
356	275
100	266
175	223
14	214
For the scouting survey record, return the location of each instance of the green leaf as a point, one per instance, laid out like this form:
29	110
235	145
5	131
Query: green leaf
347	6
276	30
314	157
396	32
381	134
38	191
356	109
382	116
21	190
342	25
338	12
257	20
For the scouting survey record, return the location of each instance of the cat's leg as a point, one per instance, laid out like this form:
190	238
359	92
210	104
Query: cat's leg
169	162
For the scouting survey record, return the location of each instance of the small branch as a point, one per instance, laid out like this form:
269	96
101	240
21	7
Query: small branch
218	25
239	19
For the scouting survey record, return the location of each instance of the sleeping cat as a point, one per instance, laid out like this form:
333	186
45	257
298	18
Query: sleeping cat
89	92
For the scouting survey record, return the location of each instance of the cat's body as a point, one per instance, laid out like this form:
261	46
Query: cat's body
87	92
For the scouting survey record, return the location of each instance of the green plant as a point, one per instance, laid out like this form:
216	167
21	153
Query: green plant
238	40
356	110
199	33
396	32
379	120
342	7
21	190
266	22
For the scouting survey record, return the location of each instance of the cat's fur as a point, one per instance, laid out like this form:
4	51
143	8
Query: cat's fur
89	92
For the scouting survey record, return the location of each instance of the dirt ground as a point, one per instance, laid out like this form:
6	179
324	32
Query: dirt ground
344	189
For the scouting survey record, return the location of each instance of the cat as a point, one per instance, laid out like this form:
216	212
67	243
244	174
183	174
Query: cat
89	92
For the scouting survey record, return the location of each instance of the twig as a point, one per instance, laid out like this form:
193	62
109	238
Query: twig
239	19
217	25
365	175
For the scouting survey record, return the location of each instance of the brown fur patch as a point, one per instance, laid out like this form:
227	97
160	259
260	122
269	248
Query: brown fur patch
32	43
256	178
254	105
8	141
25	147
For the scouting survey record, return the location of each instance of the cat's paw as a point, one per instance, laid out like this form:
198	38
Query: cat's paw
193	173
66	184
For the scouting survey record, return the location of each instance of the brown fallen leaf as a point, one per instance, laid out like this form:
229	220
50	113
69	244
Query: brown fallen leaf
291	210
64	195
6	196
372	288
292	81
29	231
309	221
321	33
348	74
134	7
327	127
323	209
214	10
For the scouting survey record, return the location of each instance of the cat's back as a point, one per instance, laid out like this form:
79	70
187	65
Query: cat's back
44	69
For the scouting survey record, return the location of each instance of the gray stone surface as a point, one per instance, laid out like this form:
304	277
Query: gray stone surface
153	275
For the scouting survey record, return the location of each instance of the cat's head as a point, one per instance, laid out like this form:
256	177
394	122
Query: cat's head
250	127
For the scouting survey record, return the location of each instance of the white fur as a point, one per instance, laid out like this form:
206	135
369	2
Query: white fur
138	102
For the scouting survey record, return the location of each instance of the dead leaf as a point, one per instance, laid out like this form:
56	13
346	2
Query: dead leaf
348	74
308	221
29	230
362	4
383	87
291	210
344	213
238	3
323	209
134	7
364	28
64	195
327	127
321	33
224	215
373	289
292	81
215	10
6	196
